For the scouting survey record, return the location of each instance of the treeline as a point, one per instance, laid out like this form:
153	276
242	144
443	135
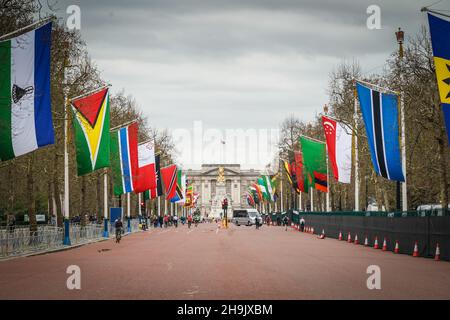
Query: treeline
427	154
34	183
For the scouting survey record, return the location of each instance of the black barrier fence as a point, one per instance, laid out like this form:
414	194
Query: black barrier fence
427	231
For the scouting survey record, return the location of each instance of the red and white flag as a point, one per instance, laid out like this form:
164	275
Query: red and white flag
339	143
145	179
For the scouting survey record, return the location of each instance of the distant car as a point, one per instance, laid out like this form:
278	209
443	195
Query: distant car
246	217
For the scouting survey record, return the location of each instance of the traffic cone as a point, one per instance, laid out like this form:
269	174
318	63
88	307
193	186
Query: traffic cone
375	245
396	249
366	241
356	239
340	236
322	235
312	230
416	250
384	248
437	256
349	238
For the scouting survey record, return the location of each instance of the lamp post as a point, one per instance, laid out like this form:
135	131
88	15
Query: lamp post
400	36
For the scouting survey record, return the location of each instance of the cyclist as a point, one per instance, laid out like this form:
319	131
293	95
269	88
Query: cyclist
118	225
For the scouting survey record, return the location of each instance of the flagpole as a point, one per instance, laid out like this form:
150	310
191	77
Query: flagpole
300	202
328	186
312	198
281	192
30	26
128	212
355	116
66	175
105	203
89	92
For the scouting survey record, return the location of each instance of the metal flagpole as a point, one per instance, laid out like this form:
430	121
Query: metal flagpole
128	212
355	132
328	185
66	176
312	199
281	192
159	206
300	202
105	203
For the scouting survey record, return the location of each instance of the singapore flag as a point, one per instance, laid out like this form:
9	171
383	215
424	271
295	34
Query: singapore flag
339	143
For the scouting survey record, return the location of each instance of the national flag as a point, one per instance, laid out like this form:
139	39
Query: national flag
269	187
254	193
339	143
380	115
145	179
124	158
158	191
91	130
25	110
320	181
298	172
287	169
189	195
169	177
314	162
250	200
257	187
179	192
440	40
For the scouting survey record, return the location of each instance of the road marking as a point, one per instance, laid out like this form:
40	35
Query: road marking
190	231
217	230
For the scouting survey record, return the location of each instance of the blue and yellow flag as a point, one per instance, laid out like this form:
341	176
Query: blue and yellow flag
440	39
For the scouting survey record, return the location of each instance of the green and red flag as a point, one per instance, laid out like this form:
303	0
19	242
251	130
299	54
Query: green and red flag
315	163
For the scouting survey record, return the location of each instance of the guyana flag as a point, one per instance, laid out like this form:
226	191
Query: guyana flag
91	130
315	163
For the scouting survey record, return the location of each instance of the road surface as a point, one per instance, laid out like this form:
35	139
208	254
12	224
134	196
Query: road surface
211	263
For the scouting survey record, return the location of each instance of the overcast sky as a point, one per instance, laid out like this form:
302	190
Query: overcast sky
236	63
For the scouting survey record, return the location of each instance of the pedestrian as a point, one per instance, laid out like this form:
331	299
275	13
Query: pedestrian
189	221
285	221
302	224
175	221
118	226
257	223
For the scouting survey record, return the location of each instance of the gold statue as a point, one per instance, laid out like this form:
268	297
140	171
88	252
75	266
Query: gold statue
221	176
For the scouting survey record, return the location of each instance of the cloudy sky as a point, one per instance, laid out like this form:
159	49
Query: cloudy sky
235	64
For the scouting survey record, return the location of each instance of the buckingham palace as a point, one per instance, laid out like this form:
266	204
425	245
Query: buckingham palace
216	181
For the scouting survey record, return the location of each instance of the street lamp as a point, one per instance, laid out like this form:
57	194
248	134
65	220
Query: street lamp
400	36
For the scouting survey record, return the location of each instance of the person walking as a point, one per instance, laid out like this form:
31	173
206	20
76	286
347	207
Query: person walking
118	226
189	221
302	224
285	221
175	221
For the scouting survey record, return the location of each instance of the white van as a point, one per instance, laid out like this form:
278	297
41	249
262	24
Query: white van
246	217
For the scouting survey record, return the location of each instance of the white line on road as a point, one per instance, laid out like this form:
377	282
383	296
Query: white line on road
190	231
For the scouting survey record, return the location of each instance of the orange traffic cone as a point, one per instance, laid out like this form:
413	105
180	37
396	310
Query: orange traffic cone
349	238
375	245
312	230
340	236
396	249
356	239
366	241
416	250
322	235
437	256
384	248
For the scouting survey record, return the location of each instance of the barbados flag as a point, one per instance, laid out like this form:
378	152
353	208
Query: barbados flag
440	39
124	158
380	115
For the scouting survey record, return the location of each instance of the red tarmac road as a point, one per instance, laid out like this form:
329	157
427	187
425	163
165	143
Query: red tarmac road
210	263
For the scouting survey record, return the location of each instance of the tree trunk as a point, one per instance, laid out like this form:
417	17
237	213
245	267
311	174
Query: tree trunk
98	197
31	195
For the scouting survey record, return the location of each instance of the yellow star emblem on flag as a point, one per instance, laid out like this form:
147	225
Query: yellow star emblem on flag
443	78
